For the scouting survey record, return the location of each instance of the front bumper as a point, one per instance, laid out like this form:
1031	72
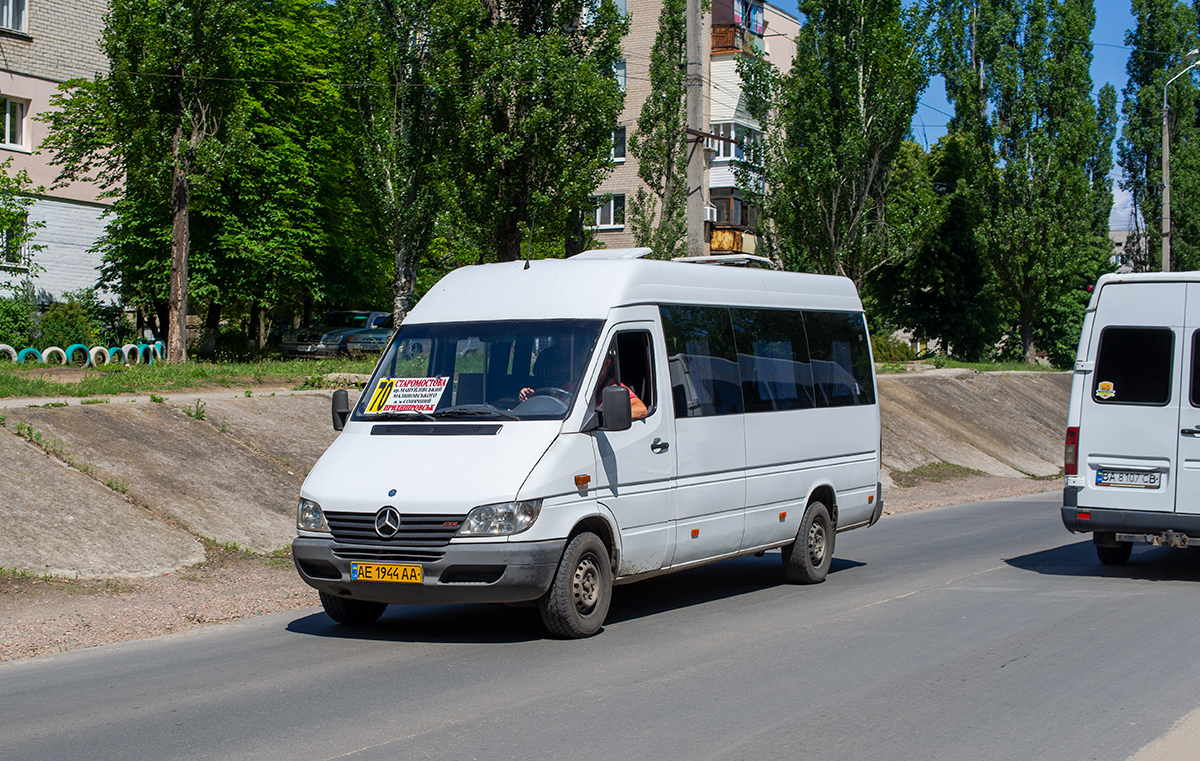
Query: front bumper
461	573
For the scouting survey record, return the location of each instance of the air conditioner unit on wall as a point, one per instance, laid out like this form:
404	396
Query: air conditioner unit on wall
710	213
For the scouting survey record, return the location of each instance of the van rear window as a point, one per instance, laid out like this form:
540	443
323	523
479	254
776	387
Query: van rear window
1133	366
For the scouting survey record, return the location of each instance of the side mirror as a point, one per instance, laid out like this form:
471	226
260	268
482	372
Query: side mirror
341	408
617	413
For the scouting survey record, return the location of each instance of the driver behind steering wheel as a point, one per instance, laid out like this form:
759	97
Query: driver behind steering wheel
552	369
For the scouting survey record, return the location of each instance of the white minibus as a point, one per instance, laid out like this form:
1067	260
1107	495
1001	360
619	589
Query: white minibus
536	432
1133	426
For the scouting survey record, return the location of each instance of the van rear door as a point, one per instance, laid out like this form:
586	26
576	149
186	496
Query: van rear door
1129	426
1187	481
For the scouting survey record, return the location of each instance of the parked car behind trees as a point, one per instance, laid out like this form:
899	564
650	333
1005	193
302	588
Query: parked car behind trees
330	335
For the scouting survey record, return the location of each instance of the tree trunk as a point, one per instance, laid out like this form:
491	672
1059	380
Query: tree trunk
212	326
261	331
180	243
575	234
254	328
403	285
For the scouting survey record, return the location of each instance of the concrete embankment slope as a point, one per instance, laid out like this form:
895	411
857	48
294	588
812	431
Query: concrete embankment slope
150	479
1003	424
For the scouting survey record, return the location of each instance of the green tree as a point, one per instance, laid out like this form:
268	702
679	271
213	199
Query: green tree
659	216
834	126
387	55
1019	80
161	122
528	97
1164	31
17	233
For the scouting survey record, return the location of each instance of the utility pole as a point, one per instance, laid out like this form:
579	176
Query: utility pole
696	199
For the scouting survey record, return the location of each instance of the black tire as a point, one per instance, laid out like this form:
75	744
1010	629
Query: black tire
577	602
351	612
807	560
1118	555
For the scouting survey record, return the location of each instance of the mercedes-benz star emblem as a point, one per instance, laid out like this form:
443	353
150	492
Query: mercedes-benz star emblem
387	522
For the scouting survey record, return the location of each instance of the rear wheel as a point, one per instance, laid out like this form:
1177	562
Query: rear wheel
577	602
1118	555
346	610
807	560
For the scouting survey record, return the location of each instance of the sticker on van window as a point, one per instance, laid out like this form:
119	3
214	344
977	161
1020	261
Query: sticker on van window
1105	390
406	395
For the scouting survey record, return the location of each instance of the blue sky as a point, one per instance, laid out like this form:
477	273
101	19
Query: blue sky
1113	18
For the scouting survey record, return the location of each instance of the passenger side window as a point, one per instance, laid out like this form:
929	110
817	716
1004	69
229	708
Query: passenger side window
841	358
773	359
632	365
1133	366
702	360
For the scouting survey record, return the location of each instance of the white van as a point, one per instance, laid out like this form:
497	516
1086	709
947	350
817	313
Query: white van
571	424
1133	428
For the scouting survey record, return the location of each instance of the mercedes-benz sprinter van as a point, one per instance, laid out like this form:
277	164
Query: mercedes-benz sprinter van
1133	428
538	431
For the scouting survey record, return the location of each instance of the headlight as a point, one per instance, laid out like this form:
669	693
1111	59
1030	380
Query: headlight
309	516
502	519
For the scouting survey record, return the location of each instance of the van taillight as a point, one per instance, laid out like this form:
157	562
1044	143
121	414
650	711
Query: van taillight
1071	453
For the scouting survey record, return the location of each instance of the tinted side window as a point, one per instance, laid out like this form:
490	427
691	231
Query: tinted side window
841	358
773	359
1133	366
702	360
1195	392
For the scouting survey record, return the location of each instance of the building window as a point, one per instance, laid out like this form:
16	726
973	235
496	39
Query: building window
12	135
749	15
619	70
12	248
618	145
611	213
734	142
12	15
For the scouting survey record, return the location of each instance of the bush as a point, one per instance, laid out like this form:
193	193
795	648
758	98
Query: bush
65	324
15	323
109	318
888	348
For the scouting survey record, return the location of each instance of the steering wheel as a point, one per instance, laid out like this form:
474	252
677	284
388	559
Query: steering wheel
553	391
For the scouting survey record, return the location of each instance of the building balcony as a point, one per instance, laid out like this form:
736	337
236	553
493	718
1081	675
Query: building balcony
734	38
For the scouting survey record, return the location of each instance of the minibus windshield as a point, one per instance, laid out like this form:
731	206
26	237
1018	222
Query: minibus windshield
512	369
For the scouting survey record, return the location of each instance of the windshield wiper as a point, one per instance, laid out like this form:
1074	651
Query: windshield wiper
400	415
465	410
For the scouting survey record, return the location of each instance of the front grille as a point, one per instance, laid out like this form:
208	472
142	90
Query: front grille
415	530
309	338
388	555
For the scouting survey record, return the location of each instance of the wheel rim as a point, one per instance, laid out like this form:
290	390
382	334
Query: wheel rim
816	543
585	586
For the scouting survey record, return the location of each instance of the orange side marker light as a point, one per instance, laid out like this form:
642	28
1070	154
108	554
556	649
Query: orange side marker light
695	533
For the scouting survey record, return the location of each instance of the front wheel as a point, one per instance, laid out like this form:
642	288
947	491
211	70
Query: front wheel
807	560
577	602
351	612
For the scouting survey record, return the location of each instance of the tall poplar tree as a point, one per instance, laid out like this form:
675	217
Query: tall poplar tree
834	126
1165	31
659	216
1018	76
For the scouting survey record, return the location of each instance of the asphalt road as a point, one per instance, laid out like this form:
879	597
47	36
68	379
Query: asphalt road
982	631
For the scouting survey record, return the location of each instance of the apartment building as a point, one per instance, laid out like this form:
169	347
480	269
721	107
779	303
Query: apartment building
42	44
733	29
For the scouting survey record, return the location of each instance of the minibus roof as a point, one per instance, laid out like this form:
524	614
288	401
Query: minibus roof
1141	277
587	289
